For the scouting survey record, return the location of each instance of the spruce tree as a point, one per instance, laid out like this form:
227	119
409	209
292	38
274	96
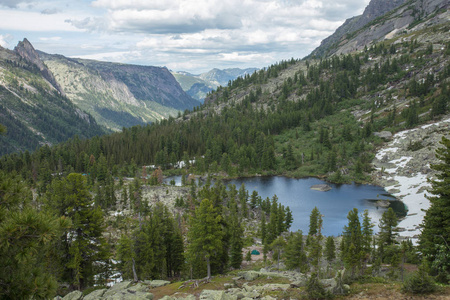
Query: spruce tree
295	252
205	233
25	243
434	241
351	246
86	245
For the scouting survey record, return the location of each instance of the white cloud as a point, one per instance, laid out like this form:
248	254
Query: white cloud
5	39
191	35
13	3
31	21
52	38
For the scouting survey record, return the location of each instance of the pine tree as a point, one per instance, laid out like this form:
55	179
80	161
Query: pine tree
351	247
435	238
388	222
25	243
86	245
205	233
236	241
295	252
367	232
330	249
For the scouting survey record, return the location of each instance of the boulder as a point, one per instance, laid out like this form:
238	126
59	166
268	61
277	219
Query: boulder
387	135
212	295
251	275
124	295
268	298
75	295
276	286
139	287
321	187
97	294
158	283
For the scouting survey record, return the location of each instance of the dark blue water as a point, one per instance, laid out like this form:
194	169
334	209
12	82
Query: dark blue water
334	205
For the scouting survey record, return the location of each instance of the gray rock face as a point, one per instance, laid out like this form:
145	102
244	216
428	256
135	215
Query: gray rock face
358	32
27	52
212	295
121	291
97	294
375	9
75	295
158	283
387	135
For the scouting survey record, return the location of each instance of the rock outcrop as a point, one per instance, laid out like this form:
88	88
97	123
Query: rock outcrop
28	53
381	19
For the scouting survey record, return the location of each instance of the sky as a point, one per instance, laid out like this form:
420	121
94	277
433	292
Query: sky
182	35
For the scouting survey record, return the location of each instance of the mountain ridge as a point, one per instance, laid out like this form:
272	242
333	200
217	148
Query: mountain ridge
119	95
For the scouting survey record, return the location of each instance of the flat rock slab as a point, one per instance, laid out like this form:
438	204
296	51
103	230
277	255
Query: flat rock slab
321	187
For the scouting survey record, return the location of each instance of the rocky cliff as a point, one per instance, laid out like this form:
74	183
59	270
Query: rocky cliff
28	53
32	106
119	95
382	19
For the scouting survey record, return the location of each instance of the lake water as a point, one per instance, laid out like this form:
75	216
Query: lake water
334	205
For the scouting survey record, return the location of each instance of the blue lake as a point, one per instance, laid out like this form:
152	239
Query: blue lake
334	205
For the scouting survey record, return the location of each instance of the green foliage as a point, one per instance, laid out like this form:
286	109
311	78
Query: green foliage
315	289
84	240
205	234
25	237
435	237
420	282
387	224
330	249
295	253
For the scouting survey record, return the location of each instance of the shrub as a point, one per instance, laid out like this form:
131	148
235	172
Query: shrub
315	288
420	282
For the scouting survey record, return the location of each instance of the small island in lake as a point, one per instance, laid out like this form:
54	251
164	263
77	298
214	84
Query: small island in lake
321	187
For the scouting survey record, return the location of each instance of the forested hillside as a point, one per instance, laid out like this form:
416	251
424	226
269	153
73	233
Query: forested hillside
86	212
33	110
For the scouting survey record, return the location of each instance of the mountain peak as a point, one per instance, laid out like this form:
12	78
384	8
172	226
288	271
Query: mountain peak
26	50
374	9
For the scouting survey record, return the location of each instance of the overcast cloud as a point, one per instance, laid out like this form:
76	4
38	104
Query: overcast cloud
188	35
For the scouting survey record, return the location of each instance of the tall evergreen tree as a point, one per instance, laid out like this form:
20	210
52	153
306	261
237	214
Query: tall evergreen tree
84	242
295	252
351	247
205	233
25	236
434	241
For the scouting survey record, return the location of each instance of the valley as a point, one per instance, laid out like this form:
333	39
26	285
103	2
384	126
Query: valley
113	182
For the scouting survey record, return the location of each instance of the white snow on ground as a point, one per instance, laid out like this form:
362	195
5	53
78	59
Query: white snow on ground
412	193
385	151
402	161
411	186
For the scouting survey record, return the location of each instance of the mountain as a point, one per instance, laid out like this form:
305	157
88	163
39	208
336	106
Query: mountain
32	105
375	9
119	95
198	86
222	77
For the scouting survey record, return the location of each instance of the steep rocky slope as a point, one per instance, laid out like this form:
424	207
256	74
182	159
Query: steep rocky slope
32	107
119	95
383	20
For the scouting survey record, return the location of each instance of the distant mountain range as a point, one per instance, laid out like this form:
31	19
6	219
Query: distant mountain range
119	95
198	86
33	106
46	99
